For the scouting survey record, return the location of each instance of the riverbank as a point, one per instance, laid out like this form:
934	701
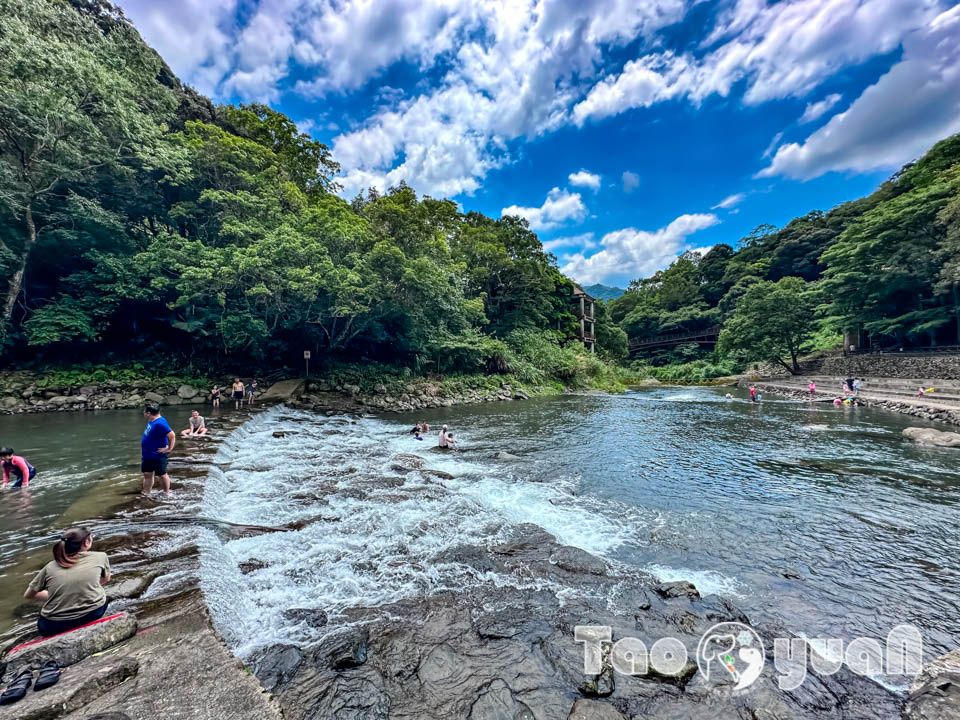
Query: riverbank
923	408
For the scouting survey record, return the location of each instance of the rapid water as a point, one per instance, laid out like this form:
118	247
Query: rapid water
823	519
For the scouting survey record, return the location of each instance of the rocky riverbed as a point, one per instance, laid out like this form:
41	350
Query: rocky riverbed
491	651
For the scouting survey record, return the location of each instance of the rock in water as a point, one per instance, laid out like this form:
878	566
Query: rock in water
680	588
929	436
276	665
187	392
314	617
935	693
594	710
505	456
405	462
74	646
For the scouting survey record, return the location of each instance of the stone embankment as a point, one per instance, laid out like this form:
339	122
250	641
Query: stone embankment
896	394
22	394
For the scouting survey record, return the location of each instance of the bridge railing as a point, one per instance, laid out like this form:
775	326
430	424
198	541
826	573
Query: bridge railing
676	337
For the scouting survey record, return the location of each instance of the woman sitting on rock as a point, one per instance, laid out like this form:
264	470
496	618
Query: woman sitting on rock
71	585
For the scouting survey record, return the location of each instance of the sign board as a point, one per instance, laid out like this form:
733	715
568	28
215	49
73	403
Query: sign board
306	354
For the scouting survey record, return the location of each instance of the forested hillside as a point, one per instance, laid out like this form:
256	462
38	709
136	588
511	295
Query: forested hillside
140	220
884	268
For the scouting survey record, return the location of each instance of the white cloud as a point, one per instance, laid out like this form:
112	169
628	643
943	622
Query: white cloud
730	201
559	207
581	242
585	179
773	145
818	109
636	253
895	120
630	181
783	49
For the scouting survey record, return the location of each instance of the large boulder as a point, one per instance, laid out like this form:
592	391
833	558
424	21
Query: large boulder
929	436
72	647
935	692
153	397
677	589
406	462
594	710
187	392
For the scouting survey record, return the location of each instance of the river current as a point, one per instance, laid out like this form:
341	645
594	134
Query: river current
823	520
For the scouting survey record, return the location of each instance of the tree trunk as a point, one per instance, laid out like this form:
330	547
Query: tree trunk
16	280
956	309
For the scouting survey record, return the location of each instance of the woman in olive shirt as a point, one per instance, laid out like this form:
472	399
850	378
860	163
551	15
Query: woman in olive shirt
71	585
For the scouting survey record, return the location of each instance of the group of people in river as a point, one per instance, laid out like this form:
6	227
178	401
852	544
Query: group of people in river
239	390
444	437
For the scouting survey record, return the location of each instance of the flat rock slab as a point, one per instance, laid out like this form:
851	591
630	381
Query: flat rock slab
72	647
283	391
929	436
935	693
185	672
594	710
78	686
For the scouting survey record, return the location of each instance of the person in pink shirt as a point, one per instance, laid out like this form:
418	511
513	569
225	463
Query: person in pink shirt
16	465
812	386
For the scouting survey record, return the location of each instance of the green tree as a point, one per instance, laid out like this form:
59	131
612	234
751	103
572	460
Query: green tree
76	101
773	321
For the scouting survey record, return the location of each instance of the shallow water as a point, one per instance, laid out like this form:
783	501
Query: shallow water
821	518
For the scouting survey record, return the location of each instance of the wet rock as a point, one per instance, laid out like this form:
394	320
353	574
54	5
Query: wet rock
347	650
26	611
130	587
251	565
575	560
497	702
314	617
929	436
505	456
153	397
187	392
405	462
75	690
438	474
276	665
72	647
469	555
601	685
935	692
352	698
594	710
678	589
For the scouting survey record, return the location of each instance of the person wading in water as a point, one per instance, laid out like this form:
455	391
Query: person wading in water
237	393
155	446
16	466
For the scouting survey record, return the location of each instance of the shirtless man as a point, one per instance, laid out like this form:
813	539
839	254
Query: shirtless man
197	426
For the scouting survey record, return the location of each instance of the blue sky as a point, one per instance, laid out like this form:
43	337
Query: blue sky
625	131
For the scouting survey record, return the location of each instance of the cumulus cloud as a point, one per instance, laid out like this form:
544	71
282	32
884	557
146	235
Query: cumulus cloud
816	110
585	179
782	49
882	129
630	181
730	201
560	206
581	242
634	253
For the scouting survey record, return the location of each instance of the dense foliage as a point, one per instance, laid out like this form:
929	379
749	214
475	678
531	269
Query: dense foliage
140	220
884	270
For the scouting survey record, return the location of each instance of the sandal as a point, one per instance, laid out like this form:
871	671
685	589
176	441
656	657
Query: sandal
18	688
49	675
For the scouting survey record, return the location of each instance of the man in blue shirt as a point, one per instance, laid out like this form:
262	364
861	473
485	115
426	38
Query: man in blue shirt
155	446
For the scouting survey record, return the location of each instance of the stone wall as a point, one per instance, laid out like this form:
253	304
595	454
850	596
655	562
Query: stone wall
21	395
941	367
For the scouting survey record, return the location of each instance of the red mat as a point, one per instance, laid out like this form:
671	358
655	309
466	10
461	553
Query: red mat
40	640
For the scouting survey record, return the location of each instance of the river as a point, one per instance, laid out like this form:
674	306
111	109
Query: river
825	520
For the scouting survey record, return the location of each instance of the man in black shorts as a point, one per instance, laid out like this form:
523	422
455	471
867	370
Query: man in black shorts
155	446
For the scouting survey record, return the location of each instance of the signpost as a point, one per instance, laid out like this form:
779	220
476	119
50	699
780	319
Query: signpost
306	359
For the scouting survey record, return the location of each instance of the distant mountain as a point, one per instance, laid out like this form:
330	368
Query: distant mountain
603	292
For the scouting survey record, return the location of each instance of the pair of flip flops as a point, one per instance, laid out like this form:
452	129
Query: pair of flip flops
17	690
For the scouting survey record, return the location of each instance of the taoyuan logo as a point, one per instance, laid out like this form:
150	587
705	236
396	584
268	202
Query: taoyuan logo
734	651
733	647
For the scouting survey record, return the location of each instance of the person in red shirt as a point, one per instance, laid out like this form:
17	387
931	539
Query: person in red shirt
16	465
